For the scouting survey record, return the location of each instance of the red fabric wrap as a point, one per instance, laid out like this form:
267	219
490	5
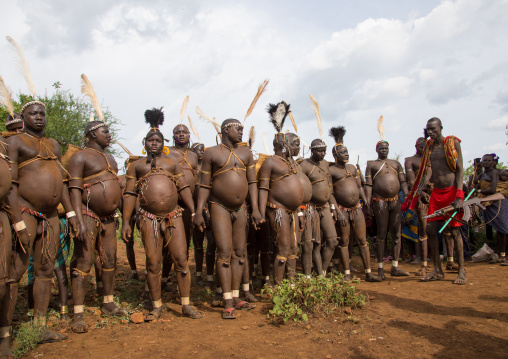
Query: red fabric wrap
440	198
460	194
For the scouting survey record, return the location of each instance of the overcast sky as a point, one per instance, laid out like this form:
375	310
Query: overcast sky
407	60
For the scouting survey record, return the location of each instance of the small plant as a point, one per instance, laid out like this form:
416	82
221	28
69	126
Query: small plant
27	336
297	299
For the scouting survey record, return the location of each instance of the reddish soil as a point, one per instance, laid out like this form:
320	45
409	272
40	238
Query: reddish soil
404	318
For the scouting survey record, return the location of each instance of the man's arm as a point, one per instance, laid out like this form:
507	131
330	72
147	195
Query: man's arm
368	183
203	189
76	168
257	218
265	173
410	174
129	201
402	179
184	189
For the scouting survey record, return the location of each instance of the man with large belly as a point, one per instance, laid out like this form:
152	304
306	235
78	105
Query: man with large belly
156	180
96	194
384	179
280	195
311	248
347	189
39	187
232	169
322	203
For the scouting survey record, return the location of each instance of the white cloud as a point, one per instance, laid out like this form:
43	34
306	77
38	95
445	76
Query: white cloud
498	123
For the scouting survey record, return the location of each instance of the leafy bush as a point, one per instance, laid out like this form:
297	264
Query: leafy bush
297	299
27	336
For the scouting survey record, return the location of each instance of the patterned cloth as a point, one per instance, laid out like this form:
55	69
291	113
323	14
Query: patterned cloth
61	256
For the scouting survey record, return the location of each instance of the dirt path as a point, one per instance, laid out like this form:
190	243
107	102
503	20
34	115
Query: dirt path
405	318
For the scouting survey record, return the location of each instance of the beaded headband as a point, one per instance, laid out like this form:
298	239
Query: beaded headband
232	124
323	145
104	124
32	103
382	141
13	121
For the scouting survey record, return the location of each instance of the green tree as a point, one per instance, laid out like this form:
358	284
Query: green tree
66	114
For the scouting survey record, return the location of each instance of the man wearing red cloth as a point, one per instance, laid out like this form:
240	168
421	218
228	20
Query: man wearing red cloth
444	156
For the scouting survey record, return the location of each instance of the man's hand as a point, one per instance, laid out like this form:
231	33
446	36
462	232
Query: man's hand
424	198
198	221
335	214
81	235
257	219
126	232
73	222
341	218
301	224
370	212
458	203
24	238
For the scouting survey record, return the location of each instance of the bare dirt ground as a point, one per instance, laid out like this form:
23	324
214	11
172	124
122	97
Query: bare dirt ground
404	318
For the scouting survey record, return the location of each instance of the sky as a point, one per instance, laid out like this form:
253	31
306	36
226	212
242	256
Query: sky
407	60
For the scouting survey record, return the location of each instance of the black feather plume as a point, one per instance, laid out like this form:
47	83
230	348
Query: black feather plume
154	117
338	133
278	114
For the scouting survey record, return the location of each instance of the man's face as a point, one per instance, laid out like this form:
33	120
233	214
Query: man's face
382	150
433	129
199	150
342	155
18	127
318	154
35	117
181	134
419	147
487	161
295	146
102	136
154	144
235	133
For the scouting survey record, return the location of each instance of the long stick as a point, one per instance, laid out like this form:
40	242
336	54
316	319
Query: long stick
456	211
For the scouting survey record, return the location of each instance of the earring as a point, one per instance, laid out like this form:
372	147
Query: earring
165	150
143	151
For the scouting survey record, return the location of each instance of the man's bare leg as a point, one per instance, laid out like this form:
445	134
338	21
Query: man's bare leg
343	248
5	289
131	257
63	291
178	249
329	235
459	246
211	248
382	216
432	240
198	238
283	242
450	249
395	223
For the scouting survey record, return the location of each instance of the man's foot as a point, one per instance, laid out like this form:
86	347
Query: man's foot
243	305
353	269
347	277
134	276
209	285
452	266
191	312
51	337
64	317
112	309
505	264
217	301
249	297
5	348
229	313
167	287
78	324
397	272
99	291
54	305
266	282
154	314
432	276
369	277
381	273
422	272
199	281
461	278
416	261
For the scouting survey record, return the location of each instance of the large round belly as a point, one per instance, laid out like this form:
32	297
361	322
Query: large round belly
307	187
5	179
159	196
41	184
230	189
321	192
103	199
288	192
386	186
189	179
347	193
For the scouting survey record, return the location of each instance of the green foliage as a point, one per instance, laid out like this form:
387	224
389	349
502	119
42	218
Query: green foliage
66	114
27	336
470	169
297	299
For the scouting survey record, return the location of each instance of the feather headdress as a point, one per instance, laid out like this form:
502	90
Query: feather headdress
278	114
202	115
292	118
315	106
5	97
252	136
87	90
381	130
193	128
184	108
23	64
155	118
261	89
338	135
